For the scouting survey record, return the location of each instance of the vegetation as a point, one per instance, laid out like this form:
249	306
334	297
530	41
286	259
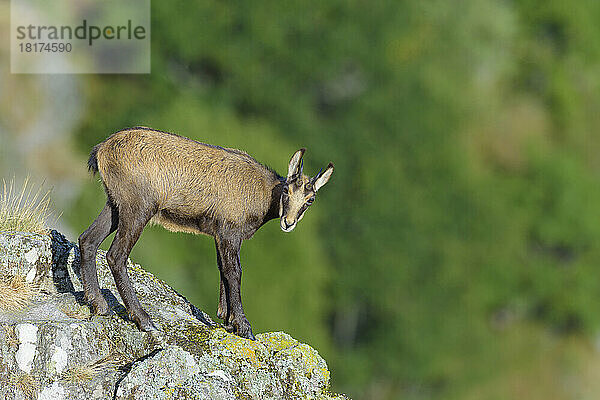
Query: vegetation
87	372
16	293
25	210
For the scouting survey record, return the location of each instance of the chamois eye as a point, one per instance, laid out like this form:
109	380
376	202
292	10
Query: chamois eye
310	201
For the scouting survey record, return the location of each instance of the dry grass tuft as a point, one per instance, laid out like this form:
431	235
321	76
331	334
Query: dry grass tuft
25	384
10	336
84	373
16	293
80	374
26	210
76	311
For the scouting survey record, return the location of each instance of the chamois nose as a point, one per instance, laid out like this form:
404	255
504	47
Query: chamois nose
287	227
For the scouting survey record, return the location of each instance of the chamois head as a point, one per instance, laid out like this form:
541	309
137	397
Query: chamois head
299	191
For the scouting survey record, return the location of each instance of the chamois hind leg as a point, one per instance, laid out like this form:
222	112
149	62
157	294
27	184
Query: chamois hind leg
231	270
131	225
89	241
222	309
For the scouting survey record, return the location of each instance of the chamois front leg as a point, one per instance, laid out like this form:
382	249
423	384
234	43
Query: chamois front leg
231	273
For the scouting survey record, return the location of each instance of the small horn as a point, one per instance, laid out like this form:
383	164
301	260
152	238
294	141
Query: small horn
316	176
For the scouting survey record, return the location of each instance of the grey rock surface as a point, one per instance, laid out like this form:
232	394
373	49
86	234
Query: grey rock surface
53	348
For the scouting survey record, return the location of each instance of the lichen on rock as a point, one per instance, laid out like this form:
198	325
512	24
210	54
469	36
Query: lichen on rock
54	348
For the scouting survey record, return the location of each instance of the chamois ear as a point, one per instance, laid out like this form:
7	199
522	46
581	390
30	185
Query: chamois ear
322	177
295	166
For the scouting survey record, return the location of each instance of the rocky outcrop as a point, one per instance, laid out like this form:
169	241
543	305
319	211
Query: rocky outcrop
51	347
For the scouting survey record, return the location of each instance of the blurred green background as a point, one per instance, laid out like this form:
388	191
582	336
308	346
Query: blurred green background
454	253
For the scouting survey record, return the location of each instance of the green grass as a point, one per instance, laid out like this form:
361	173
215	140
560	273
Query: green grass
26	209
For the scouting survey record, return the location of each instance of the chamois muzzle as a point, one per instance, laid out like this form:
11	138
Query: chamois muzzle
287	227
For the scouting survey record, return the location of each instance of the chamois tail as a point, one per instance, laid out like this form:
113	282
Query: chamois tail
93	160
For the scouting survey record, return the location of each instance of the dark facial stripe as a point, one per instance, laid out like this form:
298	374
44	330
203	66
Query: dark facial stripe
304	207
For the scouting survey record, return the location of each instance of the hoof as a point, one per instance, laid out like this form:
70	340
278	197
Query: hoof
242	328
100	306
144	323
149	327
246	335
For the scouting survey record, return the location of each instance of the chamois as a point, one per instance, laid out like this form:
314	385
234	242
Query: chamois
187	186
